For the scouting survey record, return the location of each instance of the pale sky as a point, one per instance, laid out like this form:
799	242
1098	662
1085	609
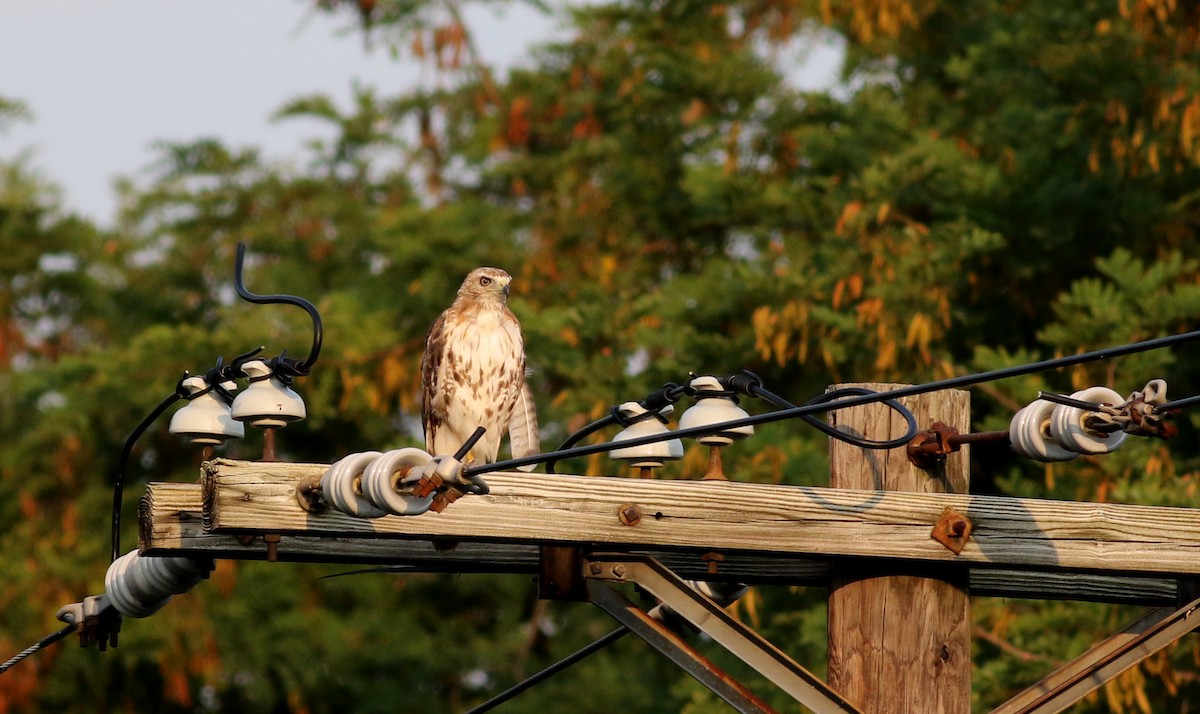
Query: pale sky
105	79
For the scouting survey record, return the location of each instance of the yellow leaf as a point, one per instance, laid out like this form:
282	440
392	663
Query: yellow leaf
849	211
779	346
694	112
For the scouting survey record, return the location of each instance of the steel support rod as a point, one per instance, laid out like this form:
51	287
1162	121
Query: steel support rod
711	619
550	671
1090	670
674	648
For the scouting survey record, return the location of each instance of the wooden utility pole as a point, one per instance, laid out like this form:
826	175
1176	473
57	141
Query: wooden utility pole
899	642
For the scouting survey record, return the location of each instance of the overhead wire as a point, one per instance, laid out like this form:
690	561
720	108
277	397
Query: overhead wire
123	463
552	670
837	399
846	402
36	646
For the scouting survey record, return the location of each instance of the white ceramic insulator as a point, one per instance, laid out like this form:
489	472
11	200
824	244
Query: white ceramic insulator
139	586
711	410
267	402
205	419
382	482
1067	424
1028	434
651	455
342	485
724	594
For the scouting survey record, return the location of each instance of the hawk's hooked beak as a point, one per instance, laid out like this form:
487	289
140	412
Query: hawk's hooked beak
506	288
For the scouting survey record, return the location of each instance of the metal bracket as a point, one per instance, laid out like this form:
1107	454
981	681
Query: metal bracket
96	621
710	619
1109	658
931	447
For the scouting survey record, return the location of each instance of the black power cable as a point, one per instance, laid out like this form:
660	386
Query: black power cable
653	403
1177	404
123	463
749	383
845	402
39	645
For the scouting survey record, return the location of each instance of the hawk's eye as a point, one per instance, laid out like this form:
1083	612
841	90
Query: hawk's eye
485	281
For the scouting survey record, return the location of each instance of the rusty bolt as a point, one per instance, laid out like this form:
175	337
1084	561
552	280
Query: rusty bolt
595	568
630	514
272	541
952	530
712	559
618	570
426	485
930	447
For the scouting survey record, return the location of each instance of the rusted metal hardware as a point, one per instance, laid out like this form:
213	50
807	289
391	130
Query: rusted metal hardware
268	451
311	496
716	470
560	573
952	530
932	446
1148	411
712	620
101	630
629	514
713	559
444	498
424	485
272	542
1145	413
96	621
443	493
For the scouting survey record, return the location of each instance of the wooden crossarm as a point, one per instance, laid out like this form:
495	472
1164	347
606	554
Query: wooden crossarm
776	520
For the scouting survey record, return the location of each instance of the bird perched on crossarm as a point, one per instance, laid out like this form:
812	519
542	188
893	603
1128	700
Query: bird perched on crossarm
473	374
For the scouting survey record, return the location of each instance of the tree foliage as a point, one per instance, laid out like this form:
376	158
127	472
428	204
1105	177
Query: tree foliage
989	183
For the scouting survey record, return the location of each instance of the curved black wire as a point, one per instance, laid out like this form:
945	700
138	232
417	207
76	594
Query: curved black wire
578	436
835	433
654	402
751	385
303	366
851	401
123	463
39	645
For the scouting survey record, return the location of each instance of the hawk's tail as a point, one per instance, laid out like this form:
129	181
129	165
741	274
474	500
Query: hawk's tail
523	434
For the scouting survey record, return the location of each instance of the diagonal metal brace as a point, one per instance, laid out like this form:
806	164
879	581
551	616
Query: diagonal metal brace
708	617
674	648
1108	659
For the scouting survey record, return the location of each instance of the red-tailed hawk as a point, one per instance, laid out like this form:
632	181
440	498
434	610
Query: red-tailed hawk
473	374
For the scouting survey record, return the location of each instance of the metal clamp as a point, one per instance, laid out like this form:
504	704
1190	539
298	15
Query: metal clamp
95	619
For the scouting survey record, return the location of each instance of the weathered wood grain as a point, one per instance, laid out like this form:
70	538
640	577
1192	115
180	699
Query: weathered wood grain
729	516
912	631
171	525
